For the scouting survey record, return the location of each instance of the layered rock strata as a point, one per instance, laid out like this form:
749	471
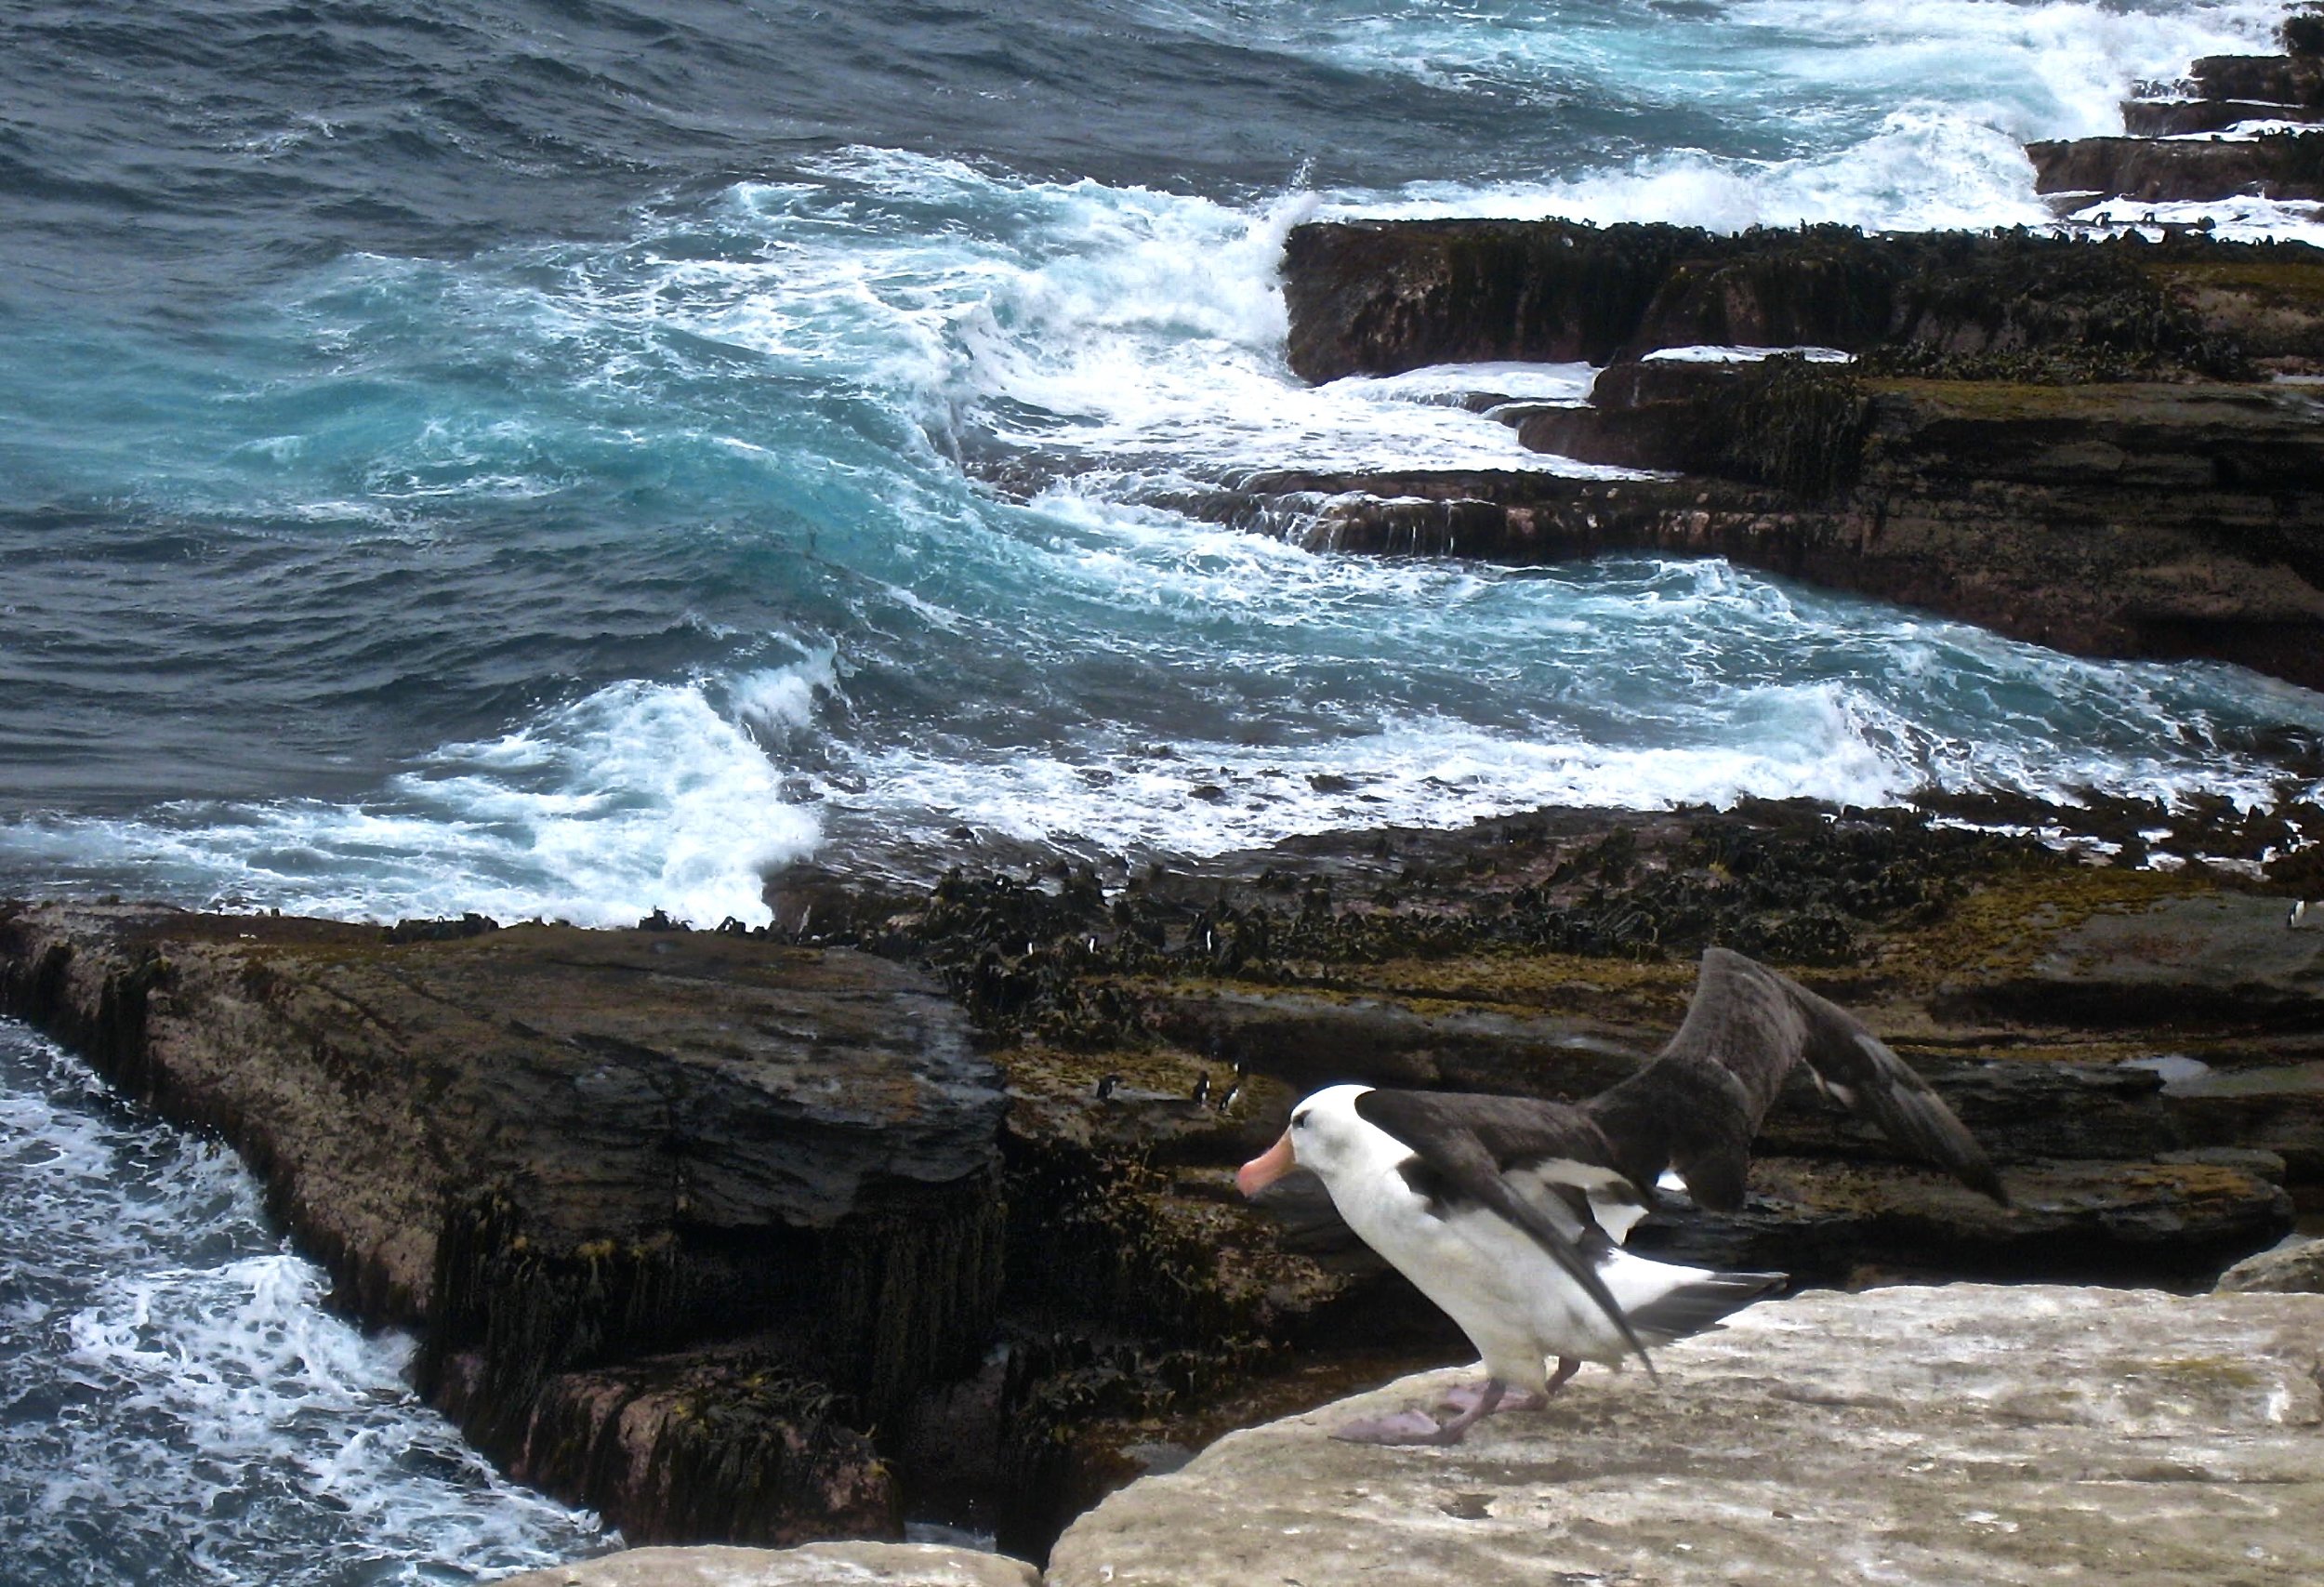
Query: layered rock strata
2068	441
1378	298
676	1216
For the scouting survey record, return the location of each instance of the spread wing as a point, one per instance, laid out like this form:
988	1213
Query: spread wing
1696	1106
1450	1134
1856	1068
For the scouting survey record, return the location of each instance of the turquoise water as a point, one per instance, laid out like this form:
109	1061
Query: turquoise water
574	458
419	504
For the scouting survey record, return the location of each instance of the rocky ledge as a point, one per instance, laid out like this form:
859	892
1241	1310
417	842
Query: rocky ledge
731	1236
816	1565
2233	125
2139	1049
2107	446
1903	1436
678	1215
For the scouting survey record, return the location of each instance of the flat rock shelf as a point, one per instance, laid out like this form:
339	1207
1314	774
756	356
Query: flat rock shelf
1936	1435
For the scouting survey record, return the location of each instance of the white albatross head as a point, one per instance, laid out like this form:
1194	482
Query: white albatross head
1325	1134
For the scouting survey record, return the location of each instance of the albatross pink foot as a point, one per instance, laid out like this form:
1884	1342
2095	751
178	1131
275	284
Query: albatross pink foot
1465	1395
1418	1427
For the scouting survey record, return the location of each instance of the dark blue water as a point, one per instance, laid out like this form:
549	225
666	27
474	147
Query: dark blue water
537	457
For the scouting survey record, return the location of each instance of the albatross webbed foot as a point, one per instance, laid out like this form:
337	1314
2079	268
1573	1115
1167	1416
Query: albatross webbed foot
1464	1396
1418	1427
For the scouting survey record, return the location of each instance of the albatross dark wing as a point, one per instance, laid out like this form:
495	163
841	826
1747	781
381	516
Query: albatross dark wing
1443	1131
1858	1067
1696	1106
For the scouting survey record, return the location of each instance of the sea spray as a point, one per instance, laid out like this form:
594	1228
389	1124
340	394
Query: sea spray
182	1407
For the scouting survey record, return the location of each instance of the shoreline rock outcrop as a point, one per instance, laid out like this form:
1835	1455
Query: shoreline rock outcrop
615	1178
1154	1029
1383	296
2068	441
676	1216
2233	125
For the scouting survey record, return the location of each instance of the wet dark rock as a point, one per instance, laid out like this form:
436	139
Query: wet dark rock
1308	1042
1383	297
578	1161
1783	422
2303	32
2166	520
448	930
2274	164
2081	1220
2036	435
728	1445
2282	79
2169	118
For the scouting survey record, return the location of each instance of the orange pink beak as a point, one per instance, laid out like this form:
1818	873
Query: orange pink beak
1265	1169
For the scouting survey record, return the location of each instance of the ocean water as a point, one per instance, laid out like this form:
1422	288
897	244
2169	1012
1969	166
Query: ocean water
175	1404
573	457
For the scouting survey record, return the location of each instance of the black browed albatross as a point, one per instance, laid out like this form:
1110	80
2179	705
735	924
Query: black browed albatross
1509	1213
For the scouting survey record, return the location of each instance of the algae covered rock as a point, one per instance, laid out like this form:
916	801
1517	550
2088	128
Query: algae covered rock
679	1214
1908	1435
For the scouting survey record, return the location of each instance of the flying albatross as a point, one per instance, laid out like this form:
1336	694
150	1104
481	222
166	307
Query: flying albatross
1509	1213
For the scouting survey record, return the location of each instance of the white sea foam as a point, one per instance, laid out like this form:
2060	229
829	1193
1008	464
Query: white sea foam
1119	331
1645	685
1920	169
1746	354
2244	218
776	702
2244	132
1890	118
640	796
1452	384
188	1410
2032	69
1209	797
1103	349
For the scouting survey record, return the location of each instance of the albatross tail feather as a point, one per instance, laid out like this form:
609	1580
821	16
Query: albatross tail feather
1696	1300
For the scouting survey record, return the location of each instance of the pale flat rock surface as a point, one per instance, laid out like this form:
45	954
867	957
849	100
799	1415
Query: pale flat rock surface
815	1564
1964	1433
2295	1267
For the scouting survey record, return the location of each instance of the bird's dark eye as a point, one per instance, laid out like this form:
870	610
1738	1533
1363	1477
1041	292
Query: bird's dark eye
1298	1120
